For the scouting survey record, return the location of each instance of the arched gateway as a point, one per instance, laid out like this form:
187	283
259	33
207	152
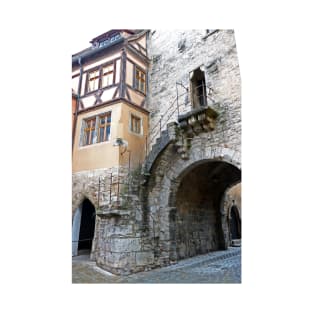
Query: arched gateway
83	228
186	200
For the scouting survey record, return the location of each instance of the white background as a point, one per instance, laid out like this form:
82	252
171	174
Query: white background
275	56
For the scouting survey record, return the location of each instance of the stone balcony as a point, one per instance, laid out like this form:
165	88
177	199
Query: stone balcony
198	120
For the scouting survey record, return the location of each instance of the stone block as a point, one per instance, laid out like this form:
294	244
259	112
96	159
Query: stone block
125	244
118	260
144	258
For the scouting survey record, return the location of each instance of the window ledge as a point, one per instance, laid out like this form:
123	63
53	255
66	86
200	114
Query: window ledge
133	133
94	144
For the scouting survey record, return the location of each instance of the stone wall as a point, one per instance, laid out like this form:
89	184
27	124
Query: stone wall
121	243
174	55
179	212
178	209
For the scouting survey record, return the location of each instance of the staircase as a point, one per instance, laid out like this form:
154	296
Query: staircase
160	144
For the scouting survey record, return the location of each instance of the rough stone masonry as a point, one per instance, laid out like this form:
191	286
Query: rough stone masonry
174	207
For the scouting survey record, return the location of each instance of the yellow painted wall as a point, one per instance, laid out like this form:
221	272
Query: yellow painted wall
136	97
136	142
100	155
105	155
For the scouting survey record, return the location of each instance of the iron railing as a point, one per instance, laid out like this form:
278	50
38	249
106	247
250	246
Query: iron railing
111	190
175	107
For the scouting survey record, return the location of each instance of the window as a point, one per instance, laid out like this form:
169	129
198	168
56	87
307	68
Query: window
90	131
140	80
104	127
96	129
107	76
198	88
93	81
135	124
100	78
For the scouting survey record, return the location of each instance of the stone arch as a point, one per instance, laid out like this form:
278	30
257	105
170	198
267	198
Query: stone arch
234	223
77	222
166	178
79	197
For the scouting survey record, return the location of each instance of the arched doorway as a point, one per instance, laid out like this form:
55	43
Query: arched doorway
83	228
198	222
235	227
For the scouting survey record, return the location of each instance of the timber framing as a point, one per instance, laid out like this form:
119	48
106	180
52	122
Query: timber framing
92	54
102	65
114	101
97	90
136	90
137	54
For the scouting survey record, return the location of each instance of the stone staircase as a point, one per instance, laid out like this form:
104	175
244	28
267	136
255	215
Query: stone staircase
161	143
181	132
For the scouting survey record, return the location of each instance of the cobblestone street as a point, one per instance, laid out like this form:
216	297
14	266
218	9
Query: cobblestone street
215	267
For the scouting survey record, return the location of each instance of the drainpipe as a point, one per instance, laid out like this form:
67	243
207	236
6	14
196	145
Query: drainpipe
77	101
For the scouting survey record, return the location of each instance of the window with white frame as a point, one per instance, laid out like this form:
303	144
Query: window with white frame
96	129
140	80
107	76
100	78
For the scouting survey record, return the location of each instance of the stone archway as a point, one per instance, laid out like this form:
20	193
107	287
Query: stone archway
186	198
199	225
235	223
83	228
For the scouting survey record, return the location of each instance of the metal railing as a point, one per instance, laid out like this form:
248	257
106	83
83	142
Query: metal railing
174	107
111	190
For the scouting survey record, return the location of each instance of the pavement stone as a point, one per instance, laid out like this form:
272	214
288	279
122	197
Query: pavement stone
215	267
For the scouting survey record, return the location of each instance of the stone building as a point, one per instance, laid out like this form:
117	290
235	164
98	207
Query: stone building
171	201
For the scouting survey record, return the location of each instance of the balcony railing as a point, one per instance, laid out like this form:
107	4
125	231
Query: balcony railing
181	104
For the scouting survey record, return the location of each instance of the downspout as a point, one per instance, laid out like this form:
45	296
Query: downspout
77	101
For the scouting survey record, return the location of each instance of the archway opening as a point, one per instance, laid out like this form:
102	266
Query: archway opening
235	230
87	227
233	208
200	225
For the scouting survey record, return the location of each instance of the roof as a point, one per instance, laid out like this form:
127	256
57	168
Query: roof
98	45
110	33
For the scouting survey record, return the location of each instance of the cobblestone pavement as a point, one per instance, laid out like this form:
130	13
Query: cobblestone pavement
215	267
